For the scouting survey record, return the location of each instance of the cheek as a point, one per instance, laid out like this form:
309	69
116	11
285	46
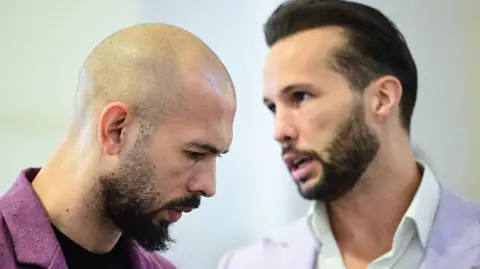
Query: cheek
370	121
320	122
317	123
172	172
167	159
170	164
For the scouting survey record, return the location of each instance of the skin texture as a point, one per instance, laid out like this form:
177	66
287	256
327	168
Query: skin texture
362	154
154	108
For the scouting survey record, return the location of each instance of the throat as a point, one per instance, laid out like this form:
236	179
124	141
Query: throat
364	244
365	234
366	219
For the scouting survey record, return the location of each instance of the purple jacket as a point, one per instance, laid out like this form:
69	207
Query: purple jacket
454	242
27	238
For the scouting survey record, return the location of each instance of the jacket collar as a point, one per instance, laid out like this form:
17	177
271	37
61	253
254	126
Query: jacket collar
33	238
454	238
455	235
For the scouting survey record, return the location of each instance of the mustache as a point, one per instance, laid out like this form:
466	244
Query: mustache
191	201
301	152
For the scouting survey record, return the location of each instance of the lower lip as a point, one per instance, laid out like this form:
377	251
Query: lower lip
173	215
302	173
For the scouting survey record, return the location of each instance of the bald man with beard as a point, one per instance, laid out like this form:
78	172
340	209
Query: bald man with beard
154	108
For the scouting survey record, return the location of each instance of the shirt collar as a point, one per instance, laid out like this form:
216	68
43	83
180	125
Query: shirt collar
422	209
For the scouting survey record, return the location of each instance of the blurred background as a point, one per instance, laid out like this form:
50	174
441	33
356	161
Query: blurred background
43	44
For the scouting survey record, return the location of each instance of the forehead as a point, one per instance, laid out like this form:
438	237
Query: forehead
301	58
207	90
205	110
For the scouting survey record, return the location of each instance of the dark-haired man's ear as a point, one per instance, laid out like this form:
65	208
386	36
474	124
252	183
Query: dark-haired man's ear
386	92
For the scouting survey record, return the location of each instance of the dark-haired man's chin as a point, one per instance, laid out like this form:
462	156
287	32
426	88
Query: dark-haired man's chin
307	186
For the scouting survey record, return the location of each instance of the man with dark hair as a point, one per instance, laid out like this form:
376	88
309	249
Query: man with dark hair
342	84
153	110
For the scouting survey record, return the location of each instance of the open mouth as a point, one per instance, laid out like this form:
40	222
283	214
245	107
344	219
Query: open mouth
301	167
301	162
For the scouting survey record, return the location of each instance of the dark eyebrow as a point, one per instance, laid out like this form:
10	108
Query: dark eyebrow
207	147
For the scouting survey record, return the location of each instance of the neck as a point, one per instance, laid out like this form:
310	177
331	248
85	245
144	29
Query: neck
364	221
74	204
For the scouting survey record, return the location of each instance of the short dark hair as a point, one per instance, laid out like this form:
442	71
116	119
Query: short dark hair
375	47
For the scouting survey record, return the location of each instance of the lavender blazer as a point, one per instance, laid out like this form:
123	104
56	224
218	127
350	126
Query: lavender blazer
27	239
454	242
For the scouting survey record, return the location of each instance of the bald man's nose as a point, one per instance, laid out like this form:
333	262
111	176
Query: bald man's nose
285	128
204	182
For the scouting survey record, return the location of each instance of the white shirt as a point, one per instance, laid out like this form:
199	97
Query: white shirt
410	238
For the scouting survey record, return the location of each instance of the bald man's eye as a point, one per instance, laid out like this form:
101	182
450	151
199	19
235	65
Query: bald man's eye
195	155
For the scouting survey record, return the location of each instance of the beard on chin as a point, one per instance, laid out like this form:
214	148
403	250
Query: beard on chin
130	200
131	213
350	153
131	208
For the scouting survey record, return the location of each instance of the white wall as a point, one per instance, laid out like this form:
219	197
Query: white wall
472	53
42	46
42	53
444	38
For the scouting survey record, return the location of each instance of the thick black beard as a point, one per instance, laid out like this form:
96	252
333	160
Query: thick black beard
129	201
131	215
350	154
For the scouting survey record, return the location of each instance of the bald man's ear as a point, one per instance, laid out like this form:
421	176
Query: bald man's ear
113	121
386	92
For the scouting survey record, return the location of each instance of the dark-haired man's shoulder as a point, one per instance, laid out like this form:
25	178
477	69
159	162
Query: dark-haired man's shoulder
291	247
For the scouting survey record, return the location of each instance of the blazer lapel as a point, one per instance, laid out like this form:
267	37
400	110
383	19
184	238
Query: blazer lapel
302	256
296	248
455	238
32	235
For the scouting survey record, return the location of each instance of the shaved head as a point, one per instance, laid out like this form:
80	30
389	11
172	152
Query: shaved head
144	67
154	109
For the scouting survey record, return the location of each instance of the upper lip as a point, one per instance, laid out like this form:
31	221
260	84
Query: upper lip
291	158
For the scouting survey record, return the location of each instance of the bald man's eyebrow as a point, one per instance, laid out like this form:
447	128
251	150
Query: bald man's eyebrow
207	147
